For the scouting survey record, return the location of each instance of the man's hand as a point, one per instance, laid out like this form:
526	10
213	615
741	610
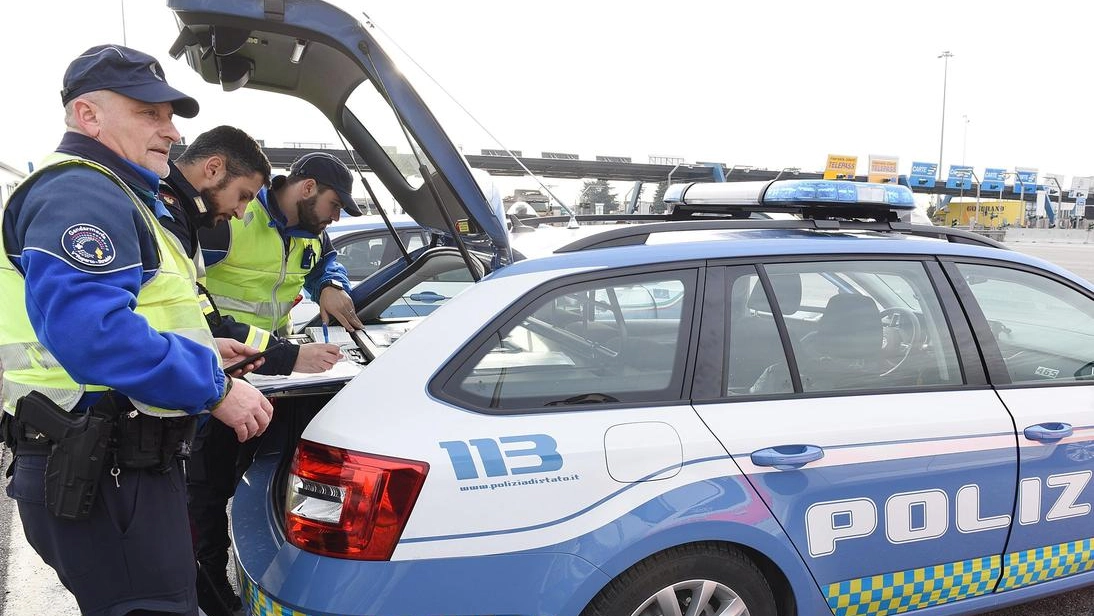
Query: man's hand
233	351
338	304
317	357
244	410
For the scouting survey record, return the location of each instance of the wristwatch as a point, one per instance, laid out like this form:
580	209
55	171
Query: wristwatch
337	284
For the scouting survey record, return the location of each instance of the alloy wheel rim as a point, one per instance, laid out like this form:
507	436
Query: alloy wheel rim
693	598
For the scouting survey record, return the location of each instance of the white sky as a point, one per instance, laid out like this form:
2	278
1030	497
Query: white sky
761	83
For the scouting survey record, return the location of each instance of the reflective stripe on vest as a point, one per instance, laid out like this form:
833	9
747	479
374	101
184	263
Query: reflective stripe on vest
255	312
168	302
258	279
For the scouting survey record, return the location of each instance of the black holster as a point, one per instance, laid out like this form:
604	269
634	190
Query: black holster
78	445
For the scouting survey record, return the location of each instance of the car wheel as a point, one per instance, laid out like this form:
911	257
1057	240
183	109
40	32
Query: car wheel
699	579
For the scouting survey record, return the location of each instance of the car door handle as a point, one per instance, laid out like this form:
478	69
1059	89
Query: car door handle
427	297
787	457
1048	431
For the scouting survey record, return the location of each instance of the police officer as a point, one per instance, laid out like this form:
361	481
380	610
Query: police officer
276	249
101	320
212	181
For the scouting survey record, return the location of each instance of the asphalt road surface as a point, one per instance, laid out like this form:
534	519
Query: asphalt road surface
31	588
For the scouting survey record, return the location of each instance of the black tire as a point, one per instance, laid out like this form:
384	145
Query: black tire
726	572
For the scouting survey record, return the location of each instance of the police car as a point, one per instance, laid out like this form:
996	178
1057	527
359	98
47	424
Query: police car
710	414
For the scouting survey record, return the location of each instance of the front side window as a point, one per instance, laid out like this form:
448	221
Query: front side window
617	340
1044	329
854	325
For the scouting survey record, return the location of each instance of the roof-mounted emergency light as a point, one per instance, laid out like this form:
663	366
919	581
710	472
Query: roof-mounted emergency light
811	198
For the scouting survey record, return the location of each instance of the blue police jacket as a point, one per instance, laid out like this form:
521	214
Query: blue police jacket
81	309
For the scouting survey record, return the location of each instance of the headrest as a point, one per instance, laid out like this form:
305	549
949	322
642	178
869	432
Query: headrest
850	327
788	292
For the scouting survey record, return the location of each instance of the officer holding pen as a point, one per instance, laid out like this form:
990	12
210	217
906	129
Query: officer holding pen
108	359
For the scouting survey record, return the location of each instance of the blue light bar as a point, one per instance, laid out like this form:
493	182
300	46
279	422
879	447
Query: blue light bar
791	195
836	192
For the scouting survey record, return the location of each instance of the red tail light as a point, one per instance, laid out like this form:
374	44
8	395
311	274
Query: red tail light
299	298
349	504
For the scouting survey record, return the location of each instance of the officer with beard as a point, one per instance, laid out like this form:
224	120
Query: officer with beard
212	182
255	267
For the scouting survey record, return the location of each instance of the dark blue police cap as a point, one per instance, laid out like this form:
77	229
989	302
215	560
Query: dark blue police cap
328	170
125	71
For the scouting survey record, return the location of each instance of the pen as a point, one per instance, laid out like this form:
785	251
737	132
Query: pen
326	334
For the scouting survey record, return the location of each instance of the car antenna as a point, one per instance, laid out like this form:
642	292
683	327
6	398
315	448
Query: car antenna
566	209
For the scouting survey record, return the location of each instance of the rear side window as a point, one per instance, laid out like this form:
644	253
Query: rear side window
853	325
617	340
1044	329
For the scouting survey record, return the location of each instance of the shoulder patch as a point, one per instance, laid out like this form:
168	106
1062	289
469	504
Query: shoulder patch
88	244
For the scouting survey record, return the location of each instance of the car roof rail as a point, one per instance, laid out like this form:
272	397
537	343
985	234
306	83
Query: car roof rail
535	221
631	235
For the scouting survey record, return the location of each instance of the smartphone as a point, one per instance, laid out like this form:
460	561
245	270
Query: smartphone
242	363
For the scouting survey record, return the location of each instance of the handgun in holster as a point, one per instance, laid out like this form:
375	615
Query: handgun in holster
77	455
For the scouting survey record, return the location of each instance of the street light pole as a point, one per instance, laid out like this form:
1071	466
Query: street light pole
964	139
123	23
945	55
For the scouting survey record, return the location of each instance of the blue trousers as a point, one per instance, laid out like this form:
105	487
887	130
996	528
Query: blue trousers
133	555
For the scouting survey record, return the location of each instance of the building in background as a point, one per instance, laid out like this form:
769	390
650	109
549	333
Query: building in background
9	179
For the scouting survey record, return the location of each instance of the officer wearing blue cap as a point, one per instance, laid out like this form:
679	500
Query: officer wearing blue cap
108	359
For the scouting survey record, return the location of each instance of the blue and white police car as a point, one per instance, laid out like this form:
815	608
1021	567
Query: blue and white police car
838	413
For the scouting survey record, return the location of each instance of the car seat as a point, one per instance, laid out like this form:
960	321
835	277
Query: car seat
845	350
376	255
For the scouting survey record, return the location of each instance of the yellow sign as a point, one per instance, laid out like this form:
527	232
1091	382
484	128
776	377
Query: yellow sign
883	169
992	214
840	167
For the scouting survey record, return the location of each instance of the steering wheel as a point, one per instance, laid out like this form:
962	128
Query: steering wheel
900	332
